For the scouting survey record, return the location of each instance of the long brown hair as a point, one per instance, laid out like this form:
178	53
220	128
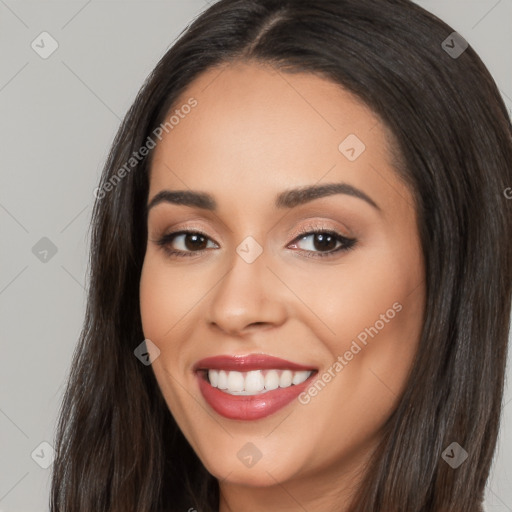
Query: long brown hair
118	448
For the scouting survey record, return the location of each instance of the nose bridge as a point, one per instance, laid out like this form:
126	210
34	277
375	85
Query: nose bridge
244	296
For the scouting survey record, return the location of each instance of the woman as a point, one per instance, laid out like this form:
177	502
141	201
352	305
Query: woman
301	272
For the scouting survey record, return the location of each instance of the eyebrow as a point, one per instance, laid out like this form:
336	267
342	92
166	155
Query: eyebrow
287	199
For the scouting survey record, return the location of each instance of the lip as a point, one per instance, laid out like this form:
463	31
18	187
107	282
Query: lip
247	363
249	407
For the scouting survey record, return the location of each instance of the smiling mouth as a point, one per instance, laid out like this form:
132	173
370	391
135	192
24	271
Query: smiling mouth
251	387
254	382
243	399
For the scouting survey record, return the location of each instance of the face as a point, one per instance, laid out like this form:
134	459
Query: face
286	321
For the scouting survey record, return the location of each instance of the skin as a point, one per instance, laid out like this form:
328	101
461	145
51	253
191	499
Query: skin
254	133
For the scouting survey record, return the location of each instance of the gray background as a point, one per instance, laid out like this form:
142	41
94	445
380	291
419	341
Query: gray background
57	120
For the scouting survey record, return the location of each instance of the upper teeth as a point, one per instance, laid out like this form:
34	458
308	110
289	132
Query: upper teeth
256	381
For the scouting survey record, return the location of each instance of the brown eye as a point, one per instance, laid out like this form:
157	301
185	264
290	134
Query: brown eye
323	243
194	242
185	243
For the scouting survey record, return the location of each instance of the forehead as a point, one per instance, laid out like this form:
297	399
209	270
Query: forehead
255	129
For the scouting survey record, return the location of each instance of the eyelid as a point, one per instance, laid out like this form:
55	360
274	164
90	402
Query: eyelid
318	225
347	244
188	227
306	229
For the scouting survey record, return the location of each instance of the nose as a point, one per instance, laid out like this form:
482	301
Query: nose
248	297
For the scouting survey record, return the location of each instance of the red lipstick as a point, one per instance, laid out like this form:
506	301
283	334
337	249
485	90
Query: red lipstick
253	406
248	363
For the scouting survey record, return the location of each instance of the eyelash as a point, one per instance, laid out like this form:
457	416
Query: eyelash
348	243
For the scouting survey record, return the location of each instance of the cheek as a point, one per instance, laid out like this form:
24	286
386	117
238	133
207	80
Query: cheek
163	305
371	313
372	291
371	357
164	302
154	302
165	297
